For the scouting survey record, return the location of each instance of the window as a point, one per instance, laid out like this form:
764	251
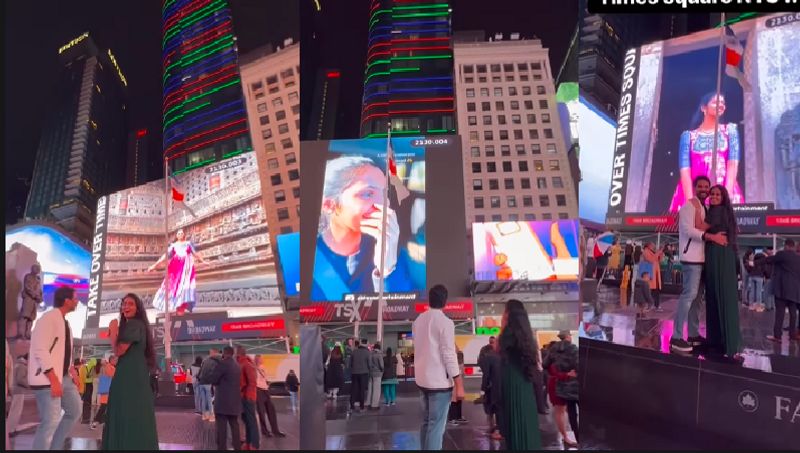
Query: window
520	149
530	216
469	69
501	119
472	120
516	119
508	67
548	133
561	200
266	134
275	179
514	105
470	106
481	69
551	148
543	104
523	77
473	136
488	135
554	165
496	79
536	66
283	128
557	182
563	216
484	92
499	106
541	183
503	135
495	68
536	149
511	201
280	196
533	134
470	92
277	102
522	66
296	109
487	120
505	150
491	167
544	201
480	218
494	202
281	115
507	166
291	158
540	89
508	183
477	184
294	175
528	105
545	117
482	79
262	107
475	151
531	118
527	201
509	78
512	91
286	143
489	150
523	165
269	148
538	165
476	167
517	134
273	90
272	79
486	106
547	216
272	163
497	218
478	203
494	184
263	120
293	96
296	193
526	90
498	91
286	229
469	79
256	86
525	183
283	214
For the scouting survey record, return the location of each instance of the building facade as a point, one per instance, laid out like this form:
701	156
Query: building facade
515	157
81	153
271	84
204	118
408	80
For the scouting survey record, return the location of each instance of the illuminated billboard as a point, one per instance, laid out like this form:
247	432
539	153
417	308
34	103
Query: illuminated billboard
596	158
217	254
526	251
289	259
342	194
668	111
63	262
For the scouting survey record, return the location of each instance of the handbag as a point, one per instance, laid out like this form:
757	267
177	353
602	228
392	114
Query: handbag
567	390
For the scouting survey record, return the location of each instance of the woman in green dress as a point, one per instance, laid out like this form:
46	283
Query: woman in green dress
131	417
519	422
722	295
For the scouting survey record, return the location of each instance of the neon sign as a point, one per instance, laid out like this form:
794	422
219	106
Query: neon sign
73	42
119	71
494	331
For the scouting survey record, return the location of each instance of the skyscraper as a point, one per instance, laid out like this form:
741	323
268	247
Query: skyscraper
204	118
321	124
409	75
138	148
81	151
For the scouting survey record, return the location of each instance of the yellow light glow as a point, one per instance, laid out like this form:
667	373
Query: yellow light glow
119	71
316	3
73	42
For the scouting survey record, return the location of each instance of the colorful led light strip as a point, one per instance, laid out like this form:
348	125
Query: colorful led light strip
221	87
203	134
191	110
184	92
405	16
206	113
424	6
204	79
217	5
179	15
197	126
209	65
218	139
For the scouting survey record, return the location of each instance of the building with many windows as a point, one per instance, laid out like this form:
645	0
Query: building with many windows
138	158
515	158
81	153
271	84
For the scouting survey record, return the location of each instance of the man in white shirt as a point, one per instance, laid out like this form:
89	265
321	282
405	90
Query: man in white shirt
437	372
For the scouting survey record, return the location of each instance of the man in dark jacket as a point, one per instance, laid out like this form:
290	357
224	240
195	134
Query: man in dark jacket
491	382
786	287
485	350
359	367
227	379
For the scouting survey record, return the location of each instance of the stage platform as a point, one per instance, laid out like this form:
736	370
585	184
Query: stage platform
631	383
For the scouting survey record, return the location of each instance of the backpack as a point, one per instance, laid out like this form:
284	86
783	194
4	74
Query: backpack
207	370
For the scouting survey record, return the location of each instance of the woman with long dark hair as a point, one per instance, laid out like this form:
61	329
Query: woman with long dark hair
334	377
131	417
519	422
722	295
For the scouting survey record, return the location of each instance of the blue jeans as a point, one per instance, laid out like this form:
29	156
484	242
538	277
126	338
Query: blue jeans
204	394
757	287
769	295
435	406
689	302
293	399
53	430
252	435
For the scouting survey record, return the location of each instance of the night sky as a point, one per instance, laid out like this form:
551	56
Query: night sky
34	30
338	38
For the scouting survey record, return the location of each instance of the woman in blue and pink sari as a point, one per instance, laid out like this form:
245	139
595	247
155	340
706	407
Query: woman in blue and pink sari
696	153
181	275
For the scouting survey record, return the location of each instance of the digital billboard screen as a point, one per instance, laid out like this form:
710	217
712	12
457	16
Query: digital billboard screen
526	251
217	254
668	111
289	258
343	188
597	131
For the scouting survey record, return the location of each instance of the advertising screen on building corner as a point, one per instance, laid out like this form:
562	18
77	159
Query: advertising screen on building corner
665	135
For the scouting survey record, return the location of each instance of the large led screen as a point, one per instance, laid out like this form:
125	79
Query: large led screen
596	132
289	259
206	252
526	251
668	111
342	195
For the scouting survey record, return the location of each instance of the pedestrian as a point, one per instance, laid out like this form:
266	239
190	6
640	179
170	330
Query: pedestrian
359	369
293	385
87	374
491	386
335	373
786	288
651	260
264	406
17	387
562	384
195	372
49	375
375	377
103	386
155	373
204	387
455	415
249	396
131	415
389	379
437	373
226	377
